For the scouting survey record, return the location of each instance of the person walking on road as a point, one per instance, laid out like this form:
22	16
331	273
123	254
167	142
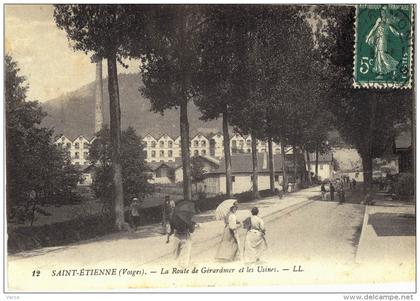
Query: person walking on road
332	190
168	210
323	191
353	184
182	240
135	213
340	190
255	243
229	247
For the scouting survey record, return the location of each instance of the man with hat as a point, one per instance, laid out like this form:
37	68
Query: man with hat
134	213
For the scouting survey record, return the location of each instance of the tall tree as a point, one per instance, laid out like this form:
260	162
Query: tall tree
247	101
278	77
365	118
220	52
135	178
170	62
33	161
292	95
105	31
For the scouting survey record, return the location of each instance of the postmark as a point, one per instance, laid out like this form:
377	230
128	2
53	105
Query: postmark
383	46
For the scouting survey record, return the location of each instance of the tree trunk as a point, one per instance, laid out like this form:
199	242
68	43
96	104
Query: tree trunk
295	164
184	124
316	162
271	164
254	167
367	172
305	166
99	97
226	145
115	129
284	166
185	151
308	161
368	156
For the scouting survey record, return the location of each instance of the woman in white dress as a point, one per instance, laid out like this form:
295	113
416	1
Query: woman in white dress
255	243
229	247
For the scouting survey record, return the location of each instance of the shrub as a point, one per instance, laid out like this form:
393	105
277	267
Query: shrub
27	238
404	187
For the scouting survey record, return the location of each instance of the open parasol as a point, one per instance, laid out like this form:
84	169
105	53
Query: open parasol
223	209
183	212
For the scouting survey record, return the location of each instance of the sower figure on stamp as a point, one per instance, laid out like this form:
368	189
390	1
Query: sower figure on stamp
377	38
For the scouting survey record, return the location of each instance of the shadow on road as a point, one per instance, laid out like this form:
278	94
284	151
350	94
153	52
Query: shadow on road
393	224
249	206
40	252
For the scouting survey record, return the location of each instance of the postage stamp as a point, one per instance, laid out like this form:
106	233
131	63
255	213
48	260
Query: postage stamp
383	46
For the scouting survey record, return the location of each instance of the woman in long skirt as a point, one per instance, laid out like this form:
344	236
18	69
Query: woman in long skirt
182	241
229	247
255	243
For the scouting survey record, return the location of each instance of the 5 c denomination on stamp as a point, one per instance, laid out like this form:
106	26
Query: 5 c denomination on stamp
383	46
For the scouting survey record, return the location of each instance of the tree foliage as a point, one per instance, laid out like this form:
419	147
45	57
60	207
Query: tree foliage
220	57
33	162
134	171
102	30
197	170
258	67
170	57
365	118
169	64
112	32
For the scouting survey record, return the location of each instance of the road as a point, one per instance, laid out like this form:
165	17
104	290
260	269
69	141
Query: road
310	242
319	238
316	231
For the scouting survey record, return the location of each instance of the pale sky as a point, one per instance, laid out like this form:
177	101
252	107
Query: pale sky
51	66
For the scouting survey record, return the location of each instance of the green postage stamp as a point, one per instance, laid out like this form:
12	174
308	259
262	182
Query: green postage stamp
383	46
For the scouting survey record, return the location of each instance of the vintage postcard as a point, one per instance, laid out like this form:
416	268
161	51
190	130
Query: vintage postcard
212	147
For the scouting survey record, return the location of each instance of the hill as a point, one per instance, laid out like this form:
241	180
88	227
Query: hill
74	113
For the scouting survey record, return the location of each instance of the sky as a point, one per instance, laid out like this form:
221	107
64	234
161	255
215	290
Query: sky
44	55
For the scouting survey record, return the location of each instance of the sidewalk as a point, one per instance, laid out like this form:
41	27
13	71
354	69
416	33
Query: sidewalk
388	240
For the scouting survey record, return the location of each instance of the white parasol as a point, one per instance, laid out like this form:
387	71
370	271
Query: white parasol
223	209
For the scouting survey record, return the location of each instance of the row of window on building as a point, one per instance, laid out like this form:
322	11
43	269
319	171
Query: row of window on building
77	148
168	149
170	153
165	148
76	145
170	144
